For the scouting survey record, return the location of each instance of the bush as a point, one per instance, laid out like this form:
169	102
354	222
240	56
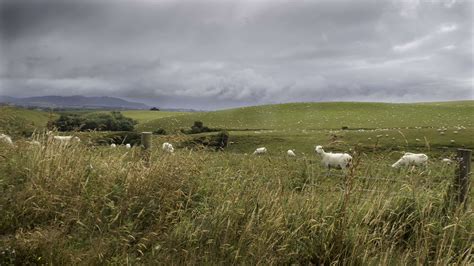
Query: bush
217	142
113	121
68	122
222	139
159	131
198	127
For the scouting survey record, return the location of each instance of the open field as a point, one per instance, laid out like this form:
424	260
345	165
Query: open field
89	204
300	126
315	116
144	116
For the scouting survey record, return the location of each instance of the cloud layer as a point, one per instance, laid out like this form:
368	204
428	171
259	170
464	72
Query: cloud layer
216	54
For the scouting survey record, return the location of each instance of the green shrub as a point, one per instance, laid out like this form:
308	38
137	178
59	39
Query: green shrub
113	121
159	131
222	139
198	127
217	142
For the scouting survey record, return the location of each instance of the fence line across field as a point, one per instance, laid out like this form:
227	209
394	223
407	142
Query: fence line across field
461	180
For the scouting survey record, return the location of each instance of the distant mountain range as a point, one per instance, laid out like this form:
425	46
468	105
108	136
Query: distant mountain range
76	101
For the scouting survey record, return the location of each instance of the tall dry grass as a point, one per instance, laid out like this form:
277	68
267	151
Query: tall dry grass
79	204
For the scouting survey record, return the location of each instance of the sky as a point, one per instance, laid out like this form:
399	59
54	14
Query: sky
214	54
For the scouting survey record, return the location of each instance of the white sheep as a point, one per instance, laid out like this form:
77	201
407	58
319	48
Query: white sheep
291	153
66	139
167	147
411	159
447	161
261	150
6	139
336	160
113	145
128	146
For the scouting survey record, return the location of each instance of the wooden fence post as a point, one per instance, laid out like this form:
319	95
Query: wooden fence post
462	175
146	144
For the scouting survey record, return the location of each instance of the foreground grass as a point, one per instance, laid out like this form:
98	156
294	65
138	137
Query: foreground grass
90	205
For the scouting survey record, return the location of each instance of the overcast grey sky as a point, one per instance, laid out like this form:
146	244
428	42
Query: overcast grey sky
217	54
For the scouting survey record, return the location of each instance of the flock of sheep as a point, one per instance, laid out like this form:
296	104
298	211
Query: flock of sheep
344	160
328	159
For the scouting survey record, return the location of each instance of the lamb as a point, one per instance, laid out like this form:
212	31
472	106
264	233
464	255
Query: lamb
167	147
411	159
336	160
291	153
128	146
261	150
66	139
6	139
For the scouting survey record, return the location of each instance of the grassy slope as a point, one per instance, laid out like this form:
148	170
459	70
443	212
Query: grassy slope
144	116
301	116
302	125
13	119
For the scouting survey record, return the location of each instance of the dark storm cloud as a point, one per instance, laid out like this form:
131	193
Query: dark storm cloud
215	54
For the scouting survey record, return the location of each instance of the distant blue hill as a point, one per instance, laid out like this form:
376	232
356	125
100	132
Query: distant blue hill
76	101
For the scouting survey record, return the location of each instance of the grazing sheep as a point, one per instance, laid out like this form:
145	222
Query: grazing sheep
128	146
167	147
6	139
335	160
113	145
291	153
261	150
447	161
66	139
411	159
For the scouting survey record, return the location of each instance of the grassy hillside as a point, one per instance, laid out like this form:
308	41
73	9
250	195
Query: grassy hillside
313	116
144	116
15	121
372	125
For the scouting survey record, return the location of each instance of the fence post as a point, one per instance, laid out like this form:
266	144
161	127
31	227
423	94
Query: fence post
462	175
146	144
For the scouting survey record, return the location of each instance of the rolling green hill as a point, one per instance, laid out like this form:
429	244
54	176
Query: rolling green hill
373	126
314	116
144	116
16	121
